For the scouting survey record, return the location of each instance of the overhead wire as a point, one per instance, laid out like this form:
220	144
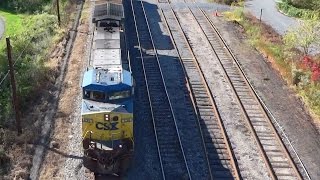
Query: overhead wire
15	62
4	78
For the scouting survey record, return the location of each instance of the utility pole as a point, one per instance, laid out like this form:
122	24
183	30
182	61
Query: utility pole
58	13
14	89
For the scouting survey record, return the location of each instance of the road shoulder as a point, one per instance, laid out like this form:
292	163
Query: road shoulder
2	26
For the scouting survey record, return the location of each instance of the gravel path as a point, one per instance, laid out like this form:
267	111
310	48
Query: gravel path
2	26
271	15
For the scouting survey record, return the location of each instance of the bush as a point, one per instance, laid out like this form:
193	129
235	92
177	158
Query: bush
24	5
296	11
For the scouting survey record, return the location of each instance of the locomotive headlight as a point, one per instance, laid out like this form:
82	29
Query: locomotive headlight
106	117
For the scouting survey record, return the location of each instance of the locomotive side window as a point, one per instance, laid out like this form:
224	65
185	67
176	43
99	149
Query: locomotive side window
119	95
86	94
96	95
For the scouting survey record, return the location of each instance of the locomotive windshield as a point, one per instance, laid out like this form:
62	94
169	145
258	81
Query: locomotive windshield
105	97
107	85
119	95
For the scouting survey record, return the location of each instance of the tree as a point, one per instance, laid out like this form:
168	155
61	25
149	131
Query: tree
306	36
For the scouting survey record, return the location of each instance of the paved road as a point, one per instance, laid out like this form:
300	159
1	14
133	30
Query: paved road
1	27
271	15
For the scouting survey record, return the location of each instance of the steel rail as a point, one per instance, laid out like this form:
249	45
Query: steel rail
149	96
285	150
243	111
264	154
209	95
141	56
264	106
190	91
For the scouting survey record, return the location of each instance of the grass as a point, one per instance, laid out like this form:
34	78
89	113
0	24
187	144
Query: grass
13	24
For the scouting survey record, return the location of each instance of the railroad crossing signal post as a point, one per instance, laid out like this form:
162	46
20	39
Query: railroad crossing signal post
14	89
260	16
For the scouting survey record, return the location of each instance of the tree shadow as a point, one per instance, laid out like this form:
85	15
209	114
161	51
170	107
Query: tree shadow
57	151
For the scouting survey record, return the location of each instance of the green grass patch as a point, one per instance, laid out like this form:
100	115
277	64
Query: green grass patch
13	22
13	25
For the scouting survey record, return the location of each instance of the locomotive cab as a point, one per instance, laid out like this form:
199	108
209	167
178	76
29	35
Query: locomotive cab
107	119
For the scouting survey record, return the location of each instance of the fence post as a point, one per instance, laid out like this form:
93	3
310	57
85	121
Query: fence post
14	89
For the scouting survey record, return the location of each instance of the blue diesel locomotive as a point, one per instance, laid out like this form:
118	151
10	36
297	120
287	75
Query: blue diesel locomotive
107	87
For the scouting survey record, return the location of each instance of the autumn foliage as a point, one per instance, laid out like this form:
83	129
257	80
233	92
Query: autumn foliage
310	64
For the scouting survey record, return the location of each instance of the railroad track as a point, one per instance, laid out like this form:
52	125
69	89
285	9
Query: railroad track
220	158
274	153
170	150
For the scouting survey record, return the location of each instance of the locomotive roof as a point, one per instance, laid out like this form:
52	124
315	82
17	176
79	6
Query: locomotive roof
107	58
108	10
106	49
100	33
107	80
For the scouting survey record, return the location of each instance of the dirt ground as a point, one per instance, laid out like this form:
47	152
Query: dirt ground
63	158
288	110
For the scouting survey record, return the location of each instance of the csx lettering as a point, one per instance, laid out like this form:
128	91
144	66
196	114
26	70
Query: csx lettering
107	126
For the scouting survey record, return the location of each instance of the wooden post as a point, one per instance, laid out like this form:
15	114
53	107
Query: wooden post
58	13
14	89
